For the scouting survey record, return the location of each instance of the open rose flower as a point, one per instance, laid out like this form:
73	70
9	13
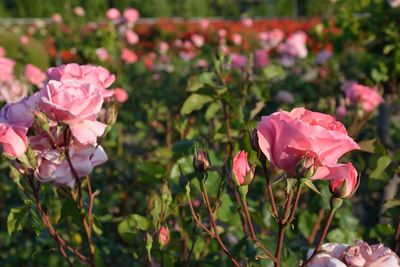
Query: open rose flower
368	98
21	112
34	75
288	138
242	172
131	15
12	91
13	139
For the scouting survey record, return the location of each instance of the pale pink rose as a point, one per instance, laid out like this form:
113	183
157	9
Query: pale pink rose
238	61
236	39
325	260
362	254
34	75
163	236
12	91
198	40
131	37
187	55
287	138
131	15
394	3
6	69
79	11
285	97
128	56
113	14
76	104
242	172
261	58
83	74
13	139
102	54
163	47
248	22
345	180
24	40
222	33
202	63
21	112
368	98
295	45
120	95
54	168
2	52
56	17
204	23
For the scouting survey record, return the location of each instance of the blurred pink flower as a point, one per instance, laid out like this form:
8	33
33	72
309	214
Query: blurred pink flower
131	15
261	58
204	23
198	40
187	55
163	47
2	52
323	56
128	56
24	40
295	45
131	37
236	39
222	33
79	11
113	14
102	54
56	17
238	61
341	111
12	91
34	75
120	95
202	63
271	39
6	69
394	3
367	97
248	22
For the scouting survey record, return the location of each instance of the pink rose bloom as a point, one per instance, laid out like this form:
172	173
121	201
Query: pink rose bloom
204	23
237	39
163	47
202	63
24	40
2	52
131	15
242	173
345	182
394	3
56	17
120	95
113	14
128	56
76	104
368	98
79	11
271	39
34	75
102	54
21	112
6	69
55	169
13	139
83	74
12	91
261	58
341	111
295	45
329	257
198	40
238	61
131	37
286	138
222	33
248	22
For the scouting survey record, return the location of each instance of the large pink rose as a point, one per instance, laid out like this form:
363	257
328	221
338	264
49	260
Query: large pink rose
13	139
76	104
94	75
368	98
362	254
55	169
34	75
6	69
285	138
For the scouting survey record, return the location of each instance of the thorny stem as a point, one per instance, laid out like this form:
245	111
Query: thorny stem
269	189
195	217
214	225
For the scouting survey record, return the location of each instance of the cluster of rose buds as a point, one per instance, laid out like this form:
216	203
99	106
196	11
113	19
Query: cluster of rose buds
53	133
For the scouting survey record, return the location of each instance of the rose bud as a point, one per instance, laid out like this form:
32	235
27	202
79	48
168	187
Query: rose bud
41	120
201	161
163	236
242	172
306	167
345	183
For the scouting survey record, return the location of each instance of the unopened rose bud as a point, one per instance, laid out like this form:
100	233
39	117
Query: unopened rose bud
111	115
30	154
254	140
163	236
345	187
201	161
306	167
41	120
243	174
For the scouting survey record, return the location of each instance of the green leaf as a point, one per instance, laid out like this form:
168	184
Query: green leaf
212	109
194	102
382	163
310	185
16	219
131	225
391	203
197	82
97	227
273	72
368	145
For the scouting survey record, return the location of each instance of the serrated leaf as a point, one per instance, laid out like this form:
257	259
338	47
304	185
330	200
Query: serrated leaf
194	102
16	219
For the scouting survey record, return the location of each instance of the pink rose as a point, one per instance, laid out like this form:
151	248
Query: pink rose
242	172
341	111
271	39
34	75
102	54
345	180
56	17
238	61
163	236
6	69
55	169
120	95
131	15
204	23
295	45
362	254
12	91
163	47
287	138
248	22
261	58
131	37
128	56
113	14
76	104
221	33
368	98
79	11
187	55
21	112
24	40
13	139
198	40
98	76
236	39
